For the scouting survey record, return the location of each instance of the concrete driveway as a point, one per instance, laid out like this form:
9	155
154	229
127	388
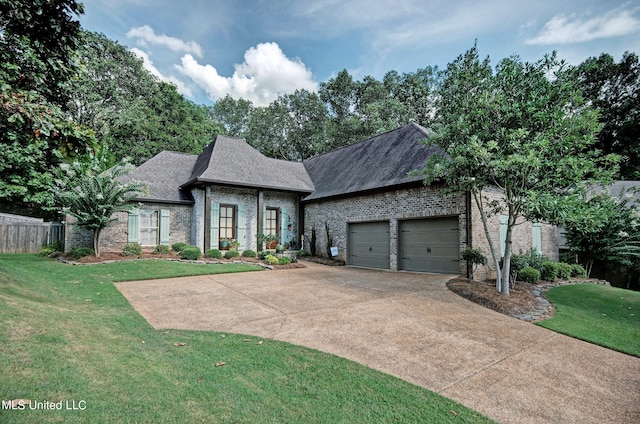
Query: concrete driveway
411	326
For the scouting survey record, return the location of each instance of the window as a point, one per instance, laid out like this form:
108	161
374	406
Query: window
227	224
148	227
271	222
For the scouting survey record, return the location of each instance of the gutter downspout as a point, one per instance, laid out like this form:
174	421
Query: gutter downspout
467	201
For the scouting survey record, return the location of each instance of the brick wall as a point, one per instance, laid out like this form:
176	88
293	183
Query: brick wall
391	206
249	199
522	237
114	237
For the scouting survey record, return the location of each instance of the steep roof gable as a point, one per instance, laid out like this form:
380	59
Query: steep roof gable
232	161
379	162
164	174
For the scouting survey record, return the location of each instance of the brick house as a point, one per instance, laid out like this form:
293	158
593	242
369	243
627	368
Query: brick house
375	213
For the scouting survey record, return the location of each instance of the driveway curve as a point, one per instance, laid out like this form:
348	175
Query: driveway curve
411	326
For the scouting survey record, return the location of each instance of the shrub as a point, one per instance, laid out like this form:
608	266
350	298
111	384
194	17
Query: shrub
249	253
578	271
132	249
161	249
284	260
564	270
263	254
271	260
529	275
535	260
213	253
303	252
192	253
177	247
80	252
549	271
230	254
47	250
518	263
474	257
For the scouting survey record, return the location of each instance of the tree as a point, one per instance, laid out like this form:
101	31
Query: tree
131	111
614	89
604	227
93	195
523	129
37	43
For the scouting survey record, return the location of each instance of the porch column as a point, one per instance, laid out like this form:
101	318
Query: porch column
259	226
207	218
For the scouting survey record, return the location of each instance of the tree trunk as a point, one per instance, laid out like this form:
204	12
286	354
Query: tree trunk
96	242
478	199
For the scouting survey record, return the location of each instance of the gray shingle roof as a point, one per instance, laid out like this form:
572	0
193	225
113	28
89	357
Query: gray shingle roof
232	161
164	174
383	161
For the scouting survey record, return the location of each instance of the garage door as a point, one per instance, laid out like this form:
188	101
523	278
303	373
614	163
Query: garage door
430	245
369	244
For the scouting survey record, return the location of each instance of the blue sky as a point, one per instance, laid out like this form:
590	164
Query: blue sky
262	48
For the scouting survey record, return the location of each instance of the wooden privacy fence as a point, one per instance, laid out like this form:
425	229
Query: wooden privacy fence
19	234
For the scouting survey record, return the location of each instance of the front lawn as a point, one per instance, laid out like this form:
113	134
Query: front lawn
606	316
67	334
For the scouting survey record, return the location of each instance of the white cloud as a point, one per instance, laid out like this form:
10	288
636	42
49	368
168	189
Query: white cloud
566	30
265	74
145	34
147	63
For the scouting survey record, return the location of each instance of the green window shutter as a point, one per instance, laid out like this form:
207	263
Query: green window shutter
283	226
133	226
536	237
504	221
241	233
215	226
165	215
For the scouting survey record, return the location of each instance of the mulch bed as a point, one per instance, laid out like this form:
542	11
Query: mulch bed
118	256
519	301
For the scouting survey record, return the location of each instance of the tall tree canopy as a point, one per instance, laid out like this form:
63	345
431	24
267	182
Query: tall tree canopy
614	88
37	44
523	129
131	111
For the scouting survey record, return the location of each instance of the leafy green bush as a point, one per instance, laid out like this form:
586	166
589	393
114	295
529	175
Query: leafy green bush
578	271
192	253
47	250
177	247
263	254
529	275
80	252
474	257
564	270
303	252
249	253
272	260
535	260
213	253
549	271
132	249
161	249
230	254
284	260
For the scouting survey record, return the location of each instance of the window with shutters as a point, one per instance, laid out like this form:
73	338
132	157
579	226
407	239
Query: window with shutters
149	224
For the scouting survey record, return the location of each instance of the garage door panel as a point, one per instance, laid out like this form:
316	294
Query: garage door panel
369	244
430	245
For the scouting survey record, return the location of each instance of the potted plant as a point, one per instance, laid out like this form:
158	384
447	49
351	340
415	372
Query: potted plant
224	243
279	248
272	241
233	244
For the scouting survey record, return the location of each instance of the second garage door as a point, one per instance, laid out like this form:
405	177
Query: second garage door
368	244
429	245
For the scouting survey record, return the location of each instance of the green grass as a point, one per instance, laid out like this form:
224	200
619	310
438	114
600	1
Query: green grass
606	316
66	333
